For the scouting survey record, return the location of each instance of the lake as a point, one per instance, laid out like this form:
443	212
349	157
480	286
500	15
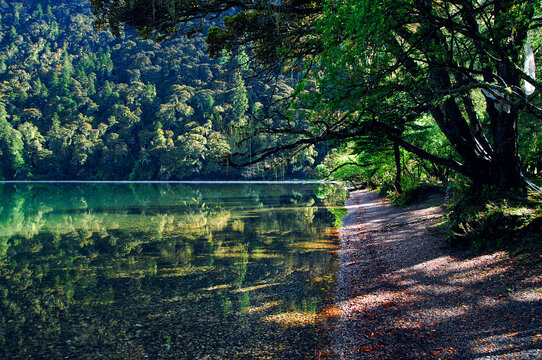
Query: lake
179	271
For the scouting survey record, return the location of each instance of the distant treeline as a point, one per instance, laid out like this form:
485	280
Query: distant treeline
76	103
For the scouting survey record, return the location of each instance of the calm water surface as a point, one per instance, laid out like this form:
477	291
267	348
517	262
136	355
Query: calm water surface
135	271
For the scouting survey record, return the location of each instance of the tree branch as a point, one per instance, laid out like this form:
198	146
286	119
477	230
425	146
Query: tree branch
348	164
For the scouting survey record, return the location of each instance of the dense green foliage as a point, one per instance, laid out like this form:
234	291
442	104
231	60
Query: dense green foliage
452	83
394	62
80	104
401	92
486	220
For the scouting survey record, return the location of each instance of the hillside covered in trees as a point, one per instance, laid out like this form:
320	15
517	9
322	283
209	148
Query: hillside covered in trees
452	84
76	103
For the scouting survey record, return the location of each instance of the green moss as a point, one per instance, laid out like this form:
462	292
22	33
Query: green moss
484	221
412	193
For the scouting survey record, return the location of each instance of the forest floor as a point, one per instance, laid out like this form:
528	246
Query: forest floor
403	293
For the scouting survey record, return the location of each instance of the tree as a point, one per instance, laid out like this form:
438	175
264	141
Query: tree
11	149
277	30
380	65
39	12
239	99
35	155
435	58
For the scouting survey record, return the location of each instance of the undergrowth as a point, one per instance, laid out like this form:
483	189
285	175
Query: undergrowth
410	195
484	220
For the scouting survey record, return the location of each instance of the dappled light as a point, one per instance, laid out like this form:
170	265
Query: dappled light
292	319
400	301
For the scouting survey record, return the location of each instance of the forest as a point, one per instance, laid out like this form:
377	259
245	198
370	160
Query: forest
424	86
76	103
80	104
421	119
443	94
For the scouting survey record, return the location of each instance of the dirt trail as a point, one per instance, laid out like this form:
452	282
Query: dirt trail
403	294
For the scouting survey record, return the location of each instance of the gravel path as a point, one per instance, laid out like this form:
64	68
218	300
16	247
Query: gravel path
403	294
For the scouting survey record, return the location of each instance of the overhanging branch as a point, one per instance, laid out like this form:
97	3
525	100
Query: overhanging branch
351	163
392	135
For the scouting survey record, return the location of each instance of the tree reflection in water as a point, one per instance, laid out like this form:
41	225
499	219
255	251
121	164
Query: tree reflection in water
167	271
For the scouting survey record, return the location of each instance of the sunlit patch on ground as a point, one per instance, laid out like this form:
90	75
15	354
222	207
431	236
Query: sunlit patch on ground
404	294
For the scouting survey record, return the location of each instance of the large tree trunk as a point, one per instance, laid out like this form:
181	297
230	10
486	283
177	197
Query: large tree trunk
498	164
498	167
476	164
397	156
503	117
506	165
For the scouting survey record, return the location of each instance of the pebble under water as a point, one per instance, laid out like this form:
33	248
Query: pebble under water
178	271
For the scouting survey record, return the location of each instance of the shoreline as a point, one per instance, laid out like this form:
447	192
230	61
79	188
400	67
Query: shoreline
213	182
403	293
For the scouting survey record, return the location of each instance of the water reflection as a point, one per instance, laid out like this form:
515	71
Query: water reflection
165	271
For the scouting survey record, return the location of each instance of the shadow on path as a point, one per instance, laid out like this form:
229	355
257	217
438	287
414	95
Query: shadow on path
403	294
